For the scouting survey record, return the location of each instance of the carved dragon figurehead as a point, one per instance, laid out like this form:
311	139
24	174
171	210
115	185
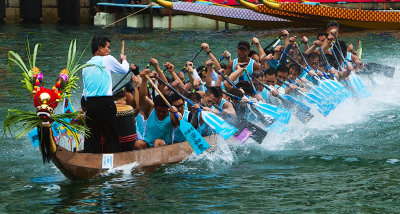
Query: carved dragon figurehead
45	100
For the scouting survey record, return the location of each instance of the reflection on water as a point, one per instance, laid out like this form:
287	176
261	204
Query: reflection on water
346	162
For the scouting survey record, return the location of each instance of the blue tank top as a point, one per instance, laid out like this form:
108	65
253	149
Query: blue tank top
221	104
249	69
156	129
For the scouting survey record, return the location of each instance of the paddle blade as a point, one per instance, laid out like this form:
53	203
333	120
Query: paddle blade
278	127
244	135
300	110
296	102
196	141
323	106
277	113
358	86
218	125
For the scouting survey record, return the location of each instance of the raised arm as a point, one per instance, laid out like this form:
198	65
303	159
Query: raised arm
160	73
208	64
206	48
260	49
146	105
136	82
171	69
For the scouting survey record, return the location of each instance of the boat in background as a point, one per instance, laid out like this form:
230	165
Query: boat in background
232	15
260	8
369	19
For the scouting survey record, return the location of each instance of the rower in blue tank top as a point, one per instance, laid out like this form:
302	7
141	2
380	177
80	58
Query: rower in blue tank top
158	129
213	97
243	51
181	106
249	69
160	122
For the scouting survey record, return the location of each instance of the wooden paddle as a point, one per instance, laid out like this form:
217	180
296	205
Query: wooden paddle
196	141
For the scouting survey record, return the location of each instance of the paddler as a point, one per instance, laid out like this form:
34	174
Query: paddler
243	50
179	103
101	110
160	121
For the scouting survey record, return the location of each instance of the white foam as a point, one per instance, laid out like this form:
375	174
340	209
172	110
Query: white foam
52	188
392	161
125	169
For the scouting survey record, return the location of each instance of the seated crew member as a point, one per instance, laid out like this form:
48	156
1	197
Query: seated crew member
293	78
313	61
282	73
159	120
261	90
211	98
243	59
179	103
222	105
101	110
271	96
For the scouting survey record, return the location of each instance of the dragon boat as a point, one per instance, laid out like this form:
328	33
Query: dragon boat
233	15
84	166
44	126
369	19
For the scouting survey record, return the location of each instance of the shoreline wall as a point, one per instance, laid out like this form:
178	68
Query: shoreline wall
47	11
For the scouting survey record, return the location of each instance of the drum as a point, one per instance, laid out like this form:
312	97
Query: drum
126	127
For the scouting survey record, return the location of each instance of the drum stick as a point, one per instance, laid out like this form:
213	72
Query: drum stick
123	47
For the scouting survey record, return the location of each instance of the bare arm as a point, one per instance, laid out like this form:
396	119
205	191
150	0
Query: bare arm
160	73
206	48
171	69
146	105
174	120
210	70
228	109
256	42
229	69
136	81
311	49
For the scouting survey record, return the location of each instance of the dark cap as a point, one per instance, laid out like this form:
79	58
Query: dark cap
244	45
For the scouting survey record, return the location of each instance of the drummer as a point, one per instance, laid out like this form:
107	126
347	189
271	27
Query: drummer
159	122
97	91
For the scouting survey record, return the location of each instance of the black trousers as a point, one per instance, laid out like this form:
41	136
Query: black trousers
102	122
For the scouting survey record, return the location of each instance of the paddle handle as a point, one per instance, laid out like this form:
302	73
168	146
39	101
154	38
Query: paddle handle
197	54
251	81
225	77
162	96
119	82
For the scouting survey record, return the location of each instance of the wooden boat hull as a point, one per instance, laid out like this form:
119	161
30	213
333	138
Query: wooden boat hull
232	15
84	166
369	19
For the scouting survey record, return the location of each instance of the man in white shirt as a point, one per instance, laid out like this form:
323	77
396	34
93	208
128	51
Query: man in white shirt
101	110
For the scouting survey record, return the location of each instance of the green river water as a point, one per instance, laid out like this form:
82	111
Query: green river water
347	162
